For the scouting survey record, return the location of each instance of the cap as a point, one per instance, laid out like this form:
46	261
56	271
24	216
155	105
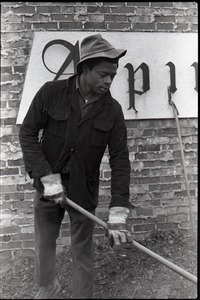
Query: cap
95	46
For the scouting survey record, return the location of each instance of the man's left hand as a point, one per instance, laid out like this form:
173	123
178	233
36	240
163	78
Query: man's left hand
117	229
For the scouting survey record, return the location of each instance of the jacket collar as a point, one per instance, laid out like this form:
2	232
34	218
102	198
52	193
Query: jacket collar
97	105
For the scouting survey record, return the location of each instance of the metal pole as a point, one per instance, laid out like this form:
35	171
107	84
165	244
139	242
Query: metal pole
159	258
175	111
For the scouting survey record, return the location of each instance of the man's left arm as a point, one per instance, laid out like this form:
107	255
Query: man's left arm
119	207
119	162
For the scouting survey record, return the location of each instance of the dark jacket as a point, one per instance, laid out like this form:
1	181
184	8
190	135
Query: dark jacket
68	137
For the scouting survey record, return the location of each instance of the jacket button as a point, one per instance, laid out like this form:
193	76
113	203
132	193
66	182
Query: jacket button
72	150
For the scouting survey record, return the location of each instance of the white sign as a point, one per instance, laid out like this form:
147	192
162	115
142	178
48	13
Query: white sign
153	62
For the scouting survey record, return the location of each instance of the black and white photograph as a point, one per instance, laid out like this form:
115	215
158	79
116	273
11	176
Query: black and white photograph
99	144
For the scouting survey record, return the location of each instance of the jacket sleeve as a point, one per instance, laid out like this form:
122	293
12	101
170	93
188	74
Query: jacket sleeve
119	162
35	162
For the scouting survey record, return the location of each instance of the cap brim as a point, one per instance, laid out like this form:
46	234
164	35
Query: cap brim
112	54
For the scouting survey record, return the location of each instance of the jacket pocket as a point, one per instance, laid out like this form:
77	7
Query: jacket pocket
57	121
100	133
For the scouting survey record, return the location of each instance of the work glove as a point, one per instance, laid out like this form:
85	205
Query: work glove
117	229
53	188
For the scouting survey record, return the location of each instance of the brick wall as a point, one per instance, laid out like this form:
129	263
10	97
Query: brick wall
157	181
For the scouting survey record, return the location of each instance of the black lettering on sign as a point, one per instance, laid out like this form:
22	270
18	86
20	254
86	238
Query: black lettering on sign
195	65
73	55
131	79
172	77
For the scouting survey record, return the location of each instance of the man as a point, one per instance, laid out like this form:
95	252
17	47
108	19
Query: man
79	119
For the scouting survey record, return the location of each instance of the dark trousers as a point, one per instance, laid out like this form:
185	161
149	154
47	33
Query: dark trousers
47	219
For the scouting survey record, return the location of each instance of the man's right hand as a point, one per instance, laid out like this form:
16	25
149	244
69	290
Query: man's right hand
53	188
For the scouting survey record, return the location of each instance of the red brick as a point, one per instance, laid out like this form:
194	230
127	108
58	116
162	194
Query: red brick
135	221
155	203
11	18
140	156
23	252
48	9
123	10
115	18
144	26
65	232
162	4
22	236
4	10
44	26
144	148
163	19
118	4
192	161
160	218
3	104
187	19
9	121
6	70
171	178
139	18
70	25
8	188
182	26
93	9
59	17
149	132
169	187
11	245
154	187
24	10
65	225
192	177
93	25
165	26
5	254
28	244
144	211
178	217
9	171
166	226
2	164
19	69
194	27
5	238
148	180
138	4
147	227
104	9
13	104
15	162
20	27
167	131
188	4
191	146
10	229
67	9
10	77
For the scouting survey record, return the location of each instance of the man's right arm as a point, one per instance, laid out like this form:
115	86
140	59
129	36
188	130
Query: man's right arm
35	161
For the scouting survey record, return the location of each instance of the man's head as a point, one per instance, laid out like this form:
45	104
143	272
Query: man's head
98	74
98	63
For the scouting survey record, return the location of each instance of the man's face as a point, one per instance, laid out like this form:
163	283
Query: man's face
99	79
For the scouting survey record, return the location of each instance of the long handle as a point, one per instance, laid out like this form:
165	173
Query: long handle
159	258
175	112
185	171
